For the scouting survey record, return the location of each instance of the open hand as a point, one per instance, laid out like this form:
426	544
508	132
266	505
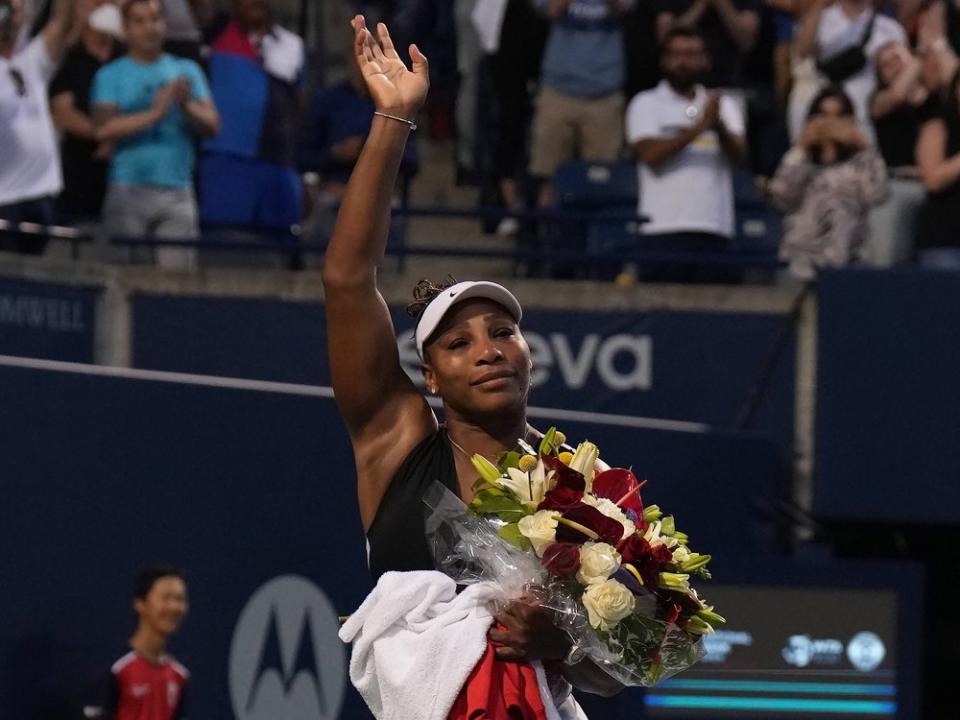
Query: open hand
526	633
395	89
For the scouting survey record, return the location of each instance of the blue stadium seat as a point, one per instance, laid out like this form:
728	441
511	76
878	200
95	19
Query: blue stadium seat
591	185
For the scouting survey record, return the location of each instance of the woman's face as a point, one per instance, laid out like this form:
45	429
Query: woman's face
478	361
890	63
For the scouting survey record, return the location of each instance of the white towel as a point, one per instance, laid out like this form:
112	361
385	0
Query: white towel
415	642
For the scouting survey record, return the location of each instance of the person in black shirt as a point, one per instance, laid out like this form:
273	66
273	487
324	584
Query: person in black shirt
901	104
938	159
85	161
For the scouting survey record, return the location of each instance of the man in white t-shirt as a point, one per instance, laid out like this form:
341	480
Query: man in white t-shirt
831	26
30	174
686	141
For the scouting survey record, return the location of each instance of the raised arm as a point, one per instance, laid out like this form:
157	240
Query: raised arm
805	36
385	414
61	29
741	25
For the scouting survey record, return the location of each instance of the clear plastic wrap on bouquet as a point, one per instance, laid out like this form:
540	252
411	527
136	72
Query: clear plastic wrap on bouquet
638	651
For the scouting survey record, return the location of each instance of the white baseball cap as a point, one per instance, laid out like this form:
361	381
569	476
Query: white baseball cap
434	313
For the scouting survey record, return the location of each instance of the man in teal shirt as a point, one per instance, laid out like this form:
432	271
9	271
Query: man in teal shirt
151	106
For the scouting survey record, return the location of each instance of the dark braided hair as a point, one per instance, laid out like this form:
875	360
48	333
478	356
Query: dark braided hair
424	292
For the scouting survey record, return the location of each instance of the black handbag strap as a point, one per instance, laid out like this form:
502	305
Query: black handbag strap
868	31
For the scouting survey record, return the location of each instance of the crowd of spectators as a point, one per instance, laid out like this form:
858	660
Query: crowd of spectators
844	112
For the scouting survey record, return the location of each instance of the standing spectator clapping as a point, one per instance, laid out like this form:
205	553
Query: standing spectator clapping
150	105
686	141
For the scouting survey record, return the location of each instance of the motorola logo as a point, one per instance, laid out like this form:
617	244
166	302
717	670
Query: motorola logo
866	651
286	661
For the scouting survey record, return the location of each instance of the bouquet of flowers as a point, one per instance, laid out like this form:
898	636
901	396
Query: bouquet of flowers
544	523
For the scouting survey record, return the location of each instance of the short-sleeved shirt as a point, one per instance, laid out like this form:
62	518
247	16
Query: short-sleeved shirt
837	32
584	57
162	155
726	59
29	157
693	190
144	690
84	177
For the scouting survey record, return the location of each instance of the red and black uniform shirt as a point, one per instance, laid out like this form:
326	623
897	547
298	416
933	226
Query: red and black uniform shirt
144	690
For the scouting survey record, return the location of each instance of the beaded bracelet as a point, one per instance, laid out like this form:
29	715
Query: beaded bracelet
411	123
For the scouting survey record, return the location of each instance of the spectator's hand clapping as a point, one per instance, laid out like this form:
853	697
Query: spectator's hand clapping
710	117
395	89
164	98
181	90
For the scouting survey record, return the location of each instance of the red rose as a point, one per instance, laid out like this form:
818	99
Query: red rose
609	530
565	476
620	486
561	499
662	554
561	559
648	561
633	548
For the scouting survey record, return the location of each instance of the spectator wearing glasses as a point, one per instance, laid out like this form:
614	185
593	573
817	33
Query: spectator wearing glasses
30	174
151	105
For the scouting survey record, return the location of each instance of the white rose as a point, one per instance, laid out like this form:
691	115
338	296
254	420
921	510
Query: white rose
540	528
608	603
610	509
598	561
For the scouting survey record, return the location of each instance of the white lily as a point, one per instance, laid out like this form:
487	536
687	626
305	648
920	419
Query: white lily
530	487
584	460
653	532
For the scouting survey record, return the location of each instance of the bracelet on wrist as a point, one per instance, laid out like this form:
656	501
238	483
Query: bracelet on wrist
411	123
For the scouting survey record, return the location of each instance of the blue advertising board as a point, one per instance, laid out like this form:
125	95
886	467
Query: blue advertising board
41	320
698	367
888	397
253	493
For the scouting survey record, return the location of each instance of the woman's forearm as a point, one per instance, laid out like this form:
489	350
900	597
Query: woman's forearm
360	236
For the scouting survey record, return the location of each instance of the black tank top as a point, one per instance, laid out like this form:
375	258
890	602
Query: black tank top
396	536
